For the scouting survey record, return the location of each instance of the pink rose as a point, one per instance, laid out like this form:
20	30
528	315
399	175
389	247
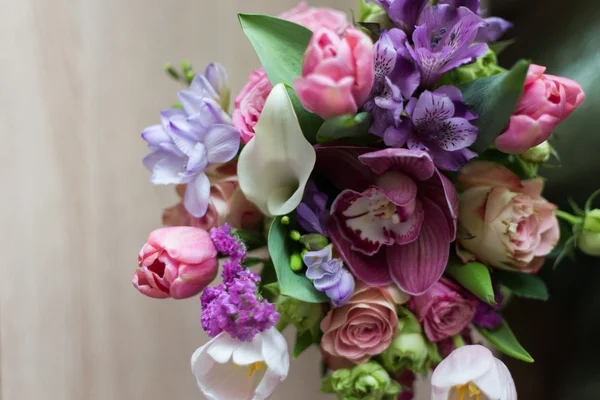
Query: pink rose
444	310
363	327
547	100
227	204
512	225
176	262
337	73
316	18
250	102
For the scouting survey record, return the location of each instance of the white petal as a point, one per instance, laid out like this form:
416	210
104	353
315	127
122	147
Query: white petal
463	365
277	358
222	349
248	352
197	195
509	391
275	165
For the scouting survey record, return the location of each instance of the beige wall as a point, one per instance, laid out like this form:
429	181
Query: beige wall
79	80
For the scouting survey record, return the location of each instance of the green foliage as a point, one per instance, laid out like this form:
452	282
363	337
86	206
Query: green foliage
523	285
475	277
505	341
345	127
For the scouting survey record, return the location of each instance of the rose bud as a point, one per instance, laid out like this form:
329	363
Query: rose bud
546	101
176	262
444	310
510	225
337	73
588	239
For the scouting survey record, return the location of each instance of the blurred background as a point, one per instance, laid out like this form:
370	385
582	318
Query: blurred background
81	78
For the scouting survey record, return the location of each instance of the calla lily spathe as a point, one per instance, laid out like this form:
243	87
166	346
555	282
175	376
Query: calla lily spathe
275	165
230	369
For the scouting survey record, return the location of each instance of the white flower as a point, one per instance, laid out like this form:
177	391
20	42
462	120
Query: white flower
229	369
275	165
472	373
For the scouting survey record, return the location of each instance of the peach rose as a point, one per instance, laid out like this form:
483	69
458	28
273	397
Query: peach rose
512	226
227	204
362	328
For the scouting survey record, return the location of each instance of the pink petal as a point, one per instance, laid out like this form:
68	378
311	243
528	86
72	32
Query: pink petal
184	244
525	132
416	163
487	173
574	95
326	97
443	195
415	267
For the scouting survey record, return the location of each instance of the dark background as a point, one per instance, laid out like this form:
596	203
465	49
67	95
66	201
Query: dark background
562	335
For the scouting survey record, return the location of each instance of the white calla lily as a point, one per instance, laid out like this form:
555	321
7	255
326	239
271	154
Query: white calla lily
230	369
275	165
472	373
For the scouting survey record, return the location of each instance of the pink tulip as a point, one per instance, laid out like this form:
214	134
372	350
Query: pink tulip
510	225
315	18
337	73
444	310
547	100
176	262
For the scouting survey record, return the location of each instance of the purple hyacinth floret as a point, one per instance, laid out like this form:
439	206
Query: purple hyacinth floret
445	40
312	212
487	316
438	124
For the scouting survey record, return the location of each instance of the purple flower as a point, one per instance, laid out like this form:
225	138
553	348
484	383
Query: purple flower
493	28
189	140
487	316
228	244
329	275
312	212
444	40
403	13
439	124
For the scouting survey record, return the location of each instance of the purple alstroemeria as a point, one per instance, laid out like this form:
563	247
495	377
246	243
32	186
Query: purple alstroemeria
396	78
493	28
312	213
403	13
438	124
444	40
329	275
188	141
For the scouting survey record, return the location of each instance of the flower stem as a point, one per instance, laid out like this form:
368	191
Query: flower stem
565	216
281	325
458	341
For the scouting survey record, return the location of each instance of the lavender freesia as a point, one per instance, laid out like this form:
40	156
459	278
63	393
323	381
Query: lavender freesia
444	40
439	124
312	212
188	141
329	275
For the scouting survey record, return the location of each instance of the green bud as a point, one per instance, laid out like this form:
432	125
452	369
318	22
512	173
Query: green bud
373	13
369	381
588	239
304	316
295	235
296	262
409	349
481	68
314	241
285	220
538	154
172	71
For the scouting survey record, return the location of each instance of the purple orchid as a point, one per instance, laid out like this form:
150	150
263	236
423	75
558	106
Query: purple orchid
395	221
438	124
396	78
329	275
188	141
312	212
403	13
444	40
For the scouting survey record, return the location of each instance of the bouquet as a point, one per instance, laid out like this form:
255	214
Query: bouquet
389	166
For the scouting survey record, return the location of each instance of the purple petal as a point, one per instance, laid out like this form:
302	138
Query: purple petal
222	143
452	160
405	13
397	137
183	135
493	29
416	163
341	166
166	115
472	5
167	169
197	161
154	135
456	134
309	221
385	56
315	272
415	267
201	88
441	191
197	194
431	109
372	270
341	293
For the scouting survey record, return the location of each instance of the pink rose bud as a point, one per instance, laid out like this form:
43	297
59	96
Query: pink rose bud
337	73
315	18
176	262
444	310
250	102
547	100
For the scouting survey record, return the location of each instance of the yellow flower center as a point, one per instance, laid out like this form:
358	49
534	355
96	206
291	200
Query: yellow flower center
252	368
471	389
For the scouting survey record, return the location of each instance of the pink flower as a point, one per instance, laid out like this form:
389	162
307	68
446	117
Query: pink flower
316	18
472	372
337	73
397	217
363	327
227	204
512	226
547	100
444	310
250	102
176	262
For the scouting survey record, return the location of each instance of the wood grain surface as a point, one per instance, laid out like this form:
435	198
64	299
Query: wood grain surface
79	80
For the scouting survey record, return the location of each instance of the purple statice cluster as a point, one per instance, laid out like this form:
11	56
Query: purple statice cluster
235	305
487	316
426	42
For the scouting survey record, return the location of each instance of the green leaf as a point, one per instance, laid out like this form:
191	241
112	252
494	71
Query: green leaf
343	127
291	284
475	277
500	46
505	341
524	285
303	341
280	46
494	100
